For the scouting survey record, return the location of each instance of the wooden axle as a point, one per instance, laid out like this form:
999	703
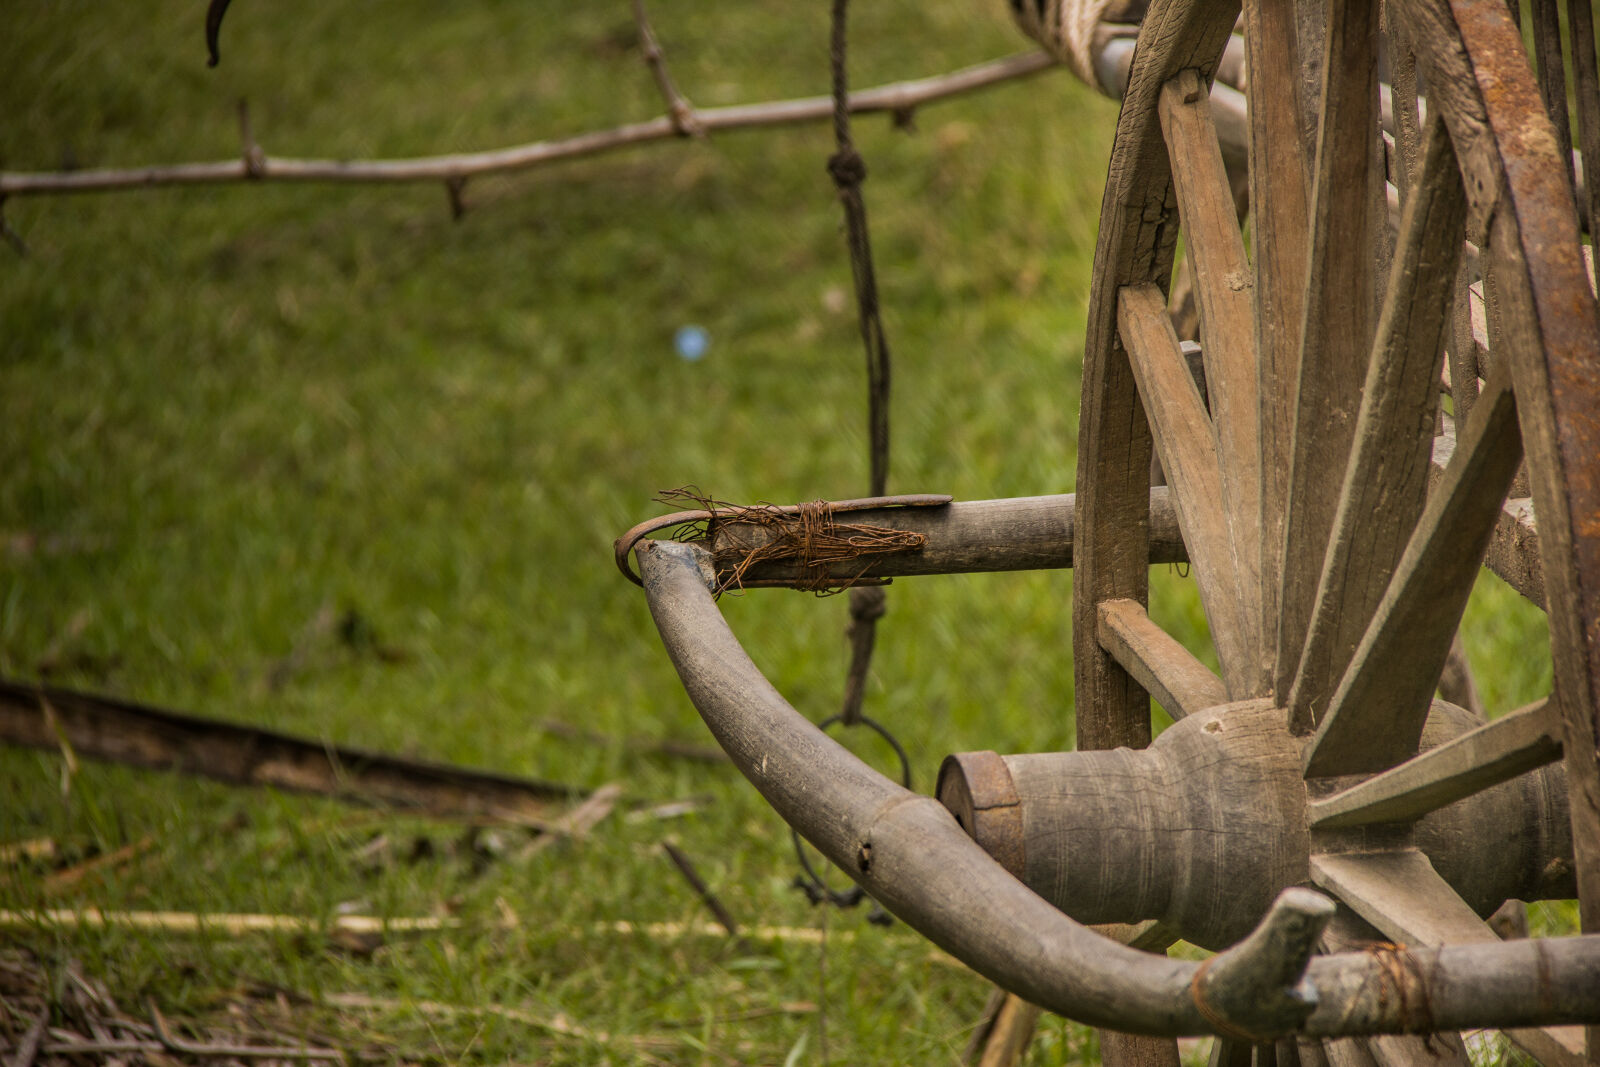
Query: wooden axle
1205	827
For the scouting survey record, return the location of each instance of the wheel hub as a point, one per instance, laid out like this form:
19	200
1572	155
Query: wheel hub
1205	827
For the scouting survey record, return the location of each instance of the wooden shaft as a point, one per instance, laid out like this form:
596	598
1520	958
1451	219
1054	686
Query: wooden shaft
1024	533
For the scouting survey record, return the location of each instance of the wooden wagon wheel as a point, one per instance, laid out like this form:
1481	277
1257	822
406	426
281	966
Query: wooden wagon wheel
1332	576
1333	579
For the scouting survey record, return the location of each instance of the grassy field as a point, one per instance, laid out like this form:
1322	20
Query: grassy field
226	413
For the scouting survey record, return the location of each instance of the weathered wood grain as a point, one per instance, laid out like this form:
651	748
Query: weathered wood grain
1543	323
1493	753
965	536
1463	354
1224	286
1403	896
1010	1032
1403	105
1375	716
1553	79
1513	552
1187	445
1138	234
1281	242
1386	481
1169	672
1336	332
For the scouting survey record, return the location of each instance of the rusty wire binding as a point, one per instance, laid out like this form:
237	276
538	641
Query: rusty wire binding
808	533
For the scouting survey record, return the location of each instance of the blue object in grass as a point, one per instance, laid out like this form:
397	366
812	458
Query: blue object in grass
692	342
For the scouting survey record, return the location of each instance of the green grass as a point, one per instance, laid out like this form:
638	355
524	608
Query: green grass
225	409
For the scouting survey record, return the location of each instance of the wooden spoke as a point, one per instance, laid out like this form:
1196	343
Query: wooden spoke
1552	76
1403	896
1491	754
1337	327
1281	244
1347	1052
1386	481
1226	1052
1188	449
1223	283
1403	103
1463	353
1375	717
1168	671
1408	1050
1513	552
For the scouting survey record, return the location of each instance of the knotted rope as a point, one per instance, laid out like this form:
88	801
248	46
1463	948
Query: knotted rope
1066	28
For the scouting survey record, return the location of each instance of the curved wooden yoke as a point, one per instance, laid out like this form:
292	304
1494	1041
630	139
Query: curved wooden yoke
912	856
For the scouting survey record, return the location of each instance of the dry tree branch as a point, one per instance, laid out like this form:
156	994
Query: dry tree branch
678	106
255	165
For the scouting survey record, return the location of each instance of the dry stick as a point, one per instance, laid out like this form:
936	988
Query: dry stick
190	1048
241	925
895	97
558	1024
73	875
702	890
28	1047
120	731
577	823
682	112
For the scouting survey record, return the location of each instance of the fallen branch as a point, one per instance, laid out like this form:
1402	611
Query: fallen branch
73	875
557	1024
898	98
119	731
678	106
576	824
686	867
211	923
240	925
172	1043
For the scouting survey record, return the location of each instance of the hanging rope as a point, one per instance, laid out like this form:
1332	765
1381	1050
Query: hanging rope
867	603
849	170
1066	28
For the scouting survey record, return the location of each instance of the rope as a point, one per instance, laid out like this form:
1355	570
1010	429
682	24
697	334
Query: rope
848	171
1066	28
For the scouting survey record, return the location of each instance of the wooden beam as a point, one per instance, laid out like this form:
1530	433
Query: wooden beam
1187	445
1493	753
1281	241
1169	672
1386	482
963	537
1375	717
1513	552
1224	287
1336	332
